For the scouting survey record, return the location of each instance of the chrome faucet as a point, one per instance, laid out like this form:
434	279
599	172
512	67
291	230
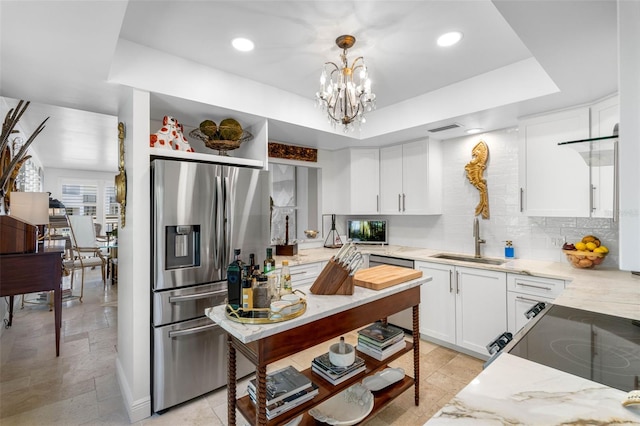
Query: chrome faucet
476	236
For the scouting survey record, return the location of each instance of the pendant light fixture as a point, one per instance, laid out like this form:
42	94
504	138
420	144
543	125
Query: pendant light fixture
345	91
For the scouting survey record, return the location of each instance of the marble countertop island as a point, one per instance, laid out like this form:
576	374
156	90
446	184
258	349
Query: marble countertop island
318	306
514	391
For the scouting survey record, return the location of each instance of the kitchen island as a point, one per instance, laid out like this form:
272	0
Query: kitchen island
326	317
513	390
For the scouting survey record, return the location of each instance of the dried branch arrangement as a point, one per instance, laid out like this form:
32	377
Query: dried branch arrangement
9	172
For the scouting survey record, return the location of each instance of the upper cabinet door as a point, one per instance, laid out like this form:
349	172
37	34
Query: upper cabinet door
415	177
554	179
411	178
365	180
391	179
605	115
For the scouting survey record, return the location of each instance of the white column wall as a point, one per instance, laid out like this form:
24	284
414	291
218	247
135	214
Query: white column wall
134	355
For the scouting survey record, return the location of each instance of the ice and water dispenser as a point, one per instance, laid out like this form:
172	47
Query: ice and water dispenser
182	246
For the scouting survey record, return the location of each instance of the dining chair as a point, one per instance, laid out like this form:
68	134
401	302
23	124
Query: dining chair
85	251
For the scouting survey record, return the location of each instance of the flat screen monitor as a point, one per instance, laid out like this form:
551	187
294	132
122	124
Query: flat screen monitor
367	231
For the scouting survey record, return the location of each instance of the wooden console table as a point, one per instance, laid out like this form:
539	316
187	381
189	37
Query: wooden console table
327	317
32	273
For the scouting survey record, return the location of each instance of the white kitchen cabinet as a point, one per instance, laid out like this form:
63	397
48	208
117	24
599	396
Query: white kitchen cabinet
605	115
411	178
523	292
305	274
481	308
357	181
462	306
554	180
438	302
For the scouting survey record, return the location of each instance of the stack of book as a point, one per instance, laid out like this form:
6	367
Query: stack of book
334	374
380	341
286	389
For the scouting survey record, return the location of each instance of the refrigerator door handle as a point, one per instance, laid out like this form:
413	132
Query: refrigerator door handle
226	217
193	330
218	248
176	299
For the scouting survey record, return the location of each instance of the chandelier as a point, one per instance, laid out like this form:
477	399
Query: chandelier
345	91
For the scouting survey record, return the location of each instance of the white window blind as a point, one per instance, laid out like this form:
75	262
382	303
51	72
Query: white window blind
80	199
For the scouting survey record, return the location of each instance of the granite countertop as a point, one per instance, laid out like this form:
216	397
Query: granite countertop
608	291
318	306
514	391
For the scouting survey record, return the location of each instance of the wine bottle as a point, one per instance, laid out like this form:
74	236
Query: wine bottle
234	281
269	262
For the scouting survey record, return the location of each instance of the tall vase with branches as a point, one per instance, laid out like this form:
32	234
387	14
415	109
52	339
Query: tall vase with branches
11	161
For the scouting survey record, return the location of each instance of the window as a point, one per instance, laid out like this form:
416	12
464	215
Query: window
80	199
95	198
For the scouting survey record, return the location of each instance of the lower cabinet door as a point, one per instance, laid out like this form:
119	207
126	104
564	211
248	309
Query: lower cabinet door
438	302
481	307
517	305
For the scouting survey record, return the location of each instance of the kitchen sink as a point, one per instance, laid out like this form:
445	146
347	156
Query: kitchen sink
469	258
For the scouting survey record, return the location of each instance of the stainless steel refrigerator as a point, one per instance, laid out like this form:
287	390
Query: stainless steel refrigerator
200	214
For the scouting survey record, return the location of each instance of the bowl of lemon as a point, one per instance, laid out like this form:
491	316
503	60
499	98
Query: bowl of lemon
586	253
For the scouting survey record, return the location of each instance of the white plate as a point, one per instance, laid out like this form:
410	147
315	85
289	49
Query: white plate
347	408
382	379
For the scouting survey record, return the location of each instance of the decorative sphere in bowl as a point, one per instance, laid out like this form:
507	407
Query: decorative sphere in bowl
342	360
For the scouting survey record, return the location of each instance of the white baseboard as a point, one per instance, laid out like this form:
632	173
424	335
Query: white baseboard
137	410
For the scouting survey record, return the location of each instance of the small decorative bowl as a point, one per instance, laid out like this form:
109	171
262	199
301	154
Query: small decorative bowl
310	233
342	360
582	259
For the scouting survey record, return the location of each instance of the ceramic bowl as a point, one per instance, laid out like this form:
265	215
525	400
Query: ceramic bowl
281	306
349	407
342	360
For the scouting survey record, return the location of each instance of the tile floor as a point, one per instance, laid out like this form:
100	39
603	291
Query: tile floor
80	387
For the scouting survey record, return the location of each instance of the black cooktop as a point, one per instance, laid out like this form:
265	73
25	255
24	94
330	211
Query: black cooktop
602	348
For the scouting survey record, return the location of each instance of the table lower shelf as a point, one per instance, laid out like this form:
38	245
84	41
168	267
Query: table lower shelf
327	390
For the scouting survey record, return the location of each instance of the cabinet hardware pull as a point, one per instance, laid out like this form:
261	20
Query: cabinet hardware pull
457	282
378	203
399	197
403	202
592	198
521	200
175	299
298	273
527	299
192	330
450	281
534	286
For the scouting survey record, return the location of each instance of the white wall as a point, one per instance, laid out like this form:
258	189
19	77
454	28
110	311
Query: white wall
133	364
533	237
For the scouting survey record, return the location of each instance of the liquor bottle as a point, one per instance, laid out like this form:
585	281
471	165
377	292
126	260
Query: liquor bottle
234	281
252	262
269	262
247	293
285	278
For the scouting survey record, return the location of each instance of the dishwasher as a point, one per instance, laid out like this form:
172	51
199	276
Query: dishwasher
403	319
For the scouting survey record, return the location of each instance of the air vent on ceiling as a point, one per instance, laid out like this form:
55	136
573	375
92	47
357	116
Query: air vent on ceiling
447	127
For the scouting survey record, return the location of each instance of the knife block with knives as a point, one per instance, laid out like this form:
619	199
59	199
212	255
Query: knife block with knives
337	275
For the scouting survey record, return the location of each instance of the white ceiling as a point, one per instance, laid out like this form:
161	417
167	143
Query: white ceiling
59	55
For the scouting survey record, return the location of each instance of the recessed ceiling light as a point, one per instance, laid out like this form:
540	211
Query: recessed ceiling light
474	130
449	39
242	44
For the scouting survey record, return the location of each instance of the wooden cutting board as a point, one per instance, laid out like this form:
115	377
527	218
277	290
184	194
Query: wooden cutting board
384	276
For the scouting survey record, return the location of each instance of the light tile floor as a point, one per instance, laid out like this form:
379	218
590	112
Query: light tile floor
80	387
